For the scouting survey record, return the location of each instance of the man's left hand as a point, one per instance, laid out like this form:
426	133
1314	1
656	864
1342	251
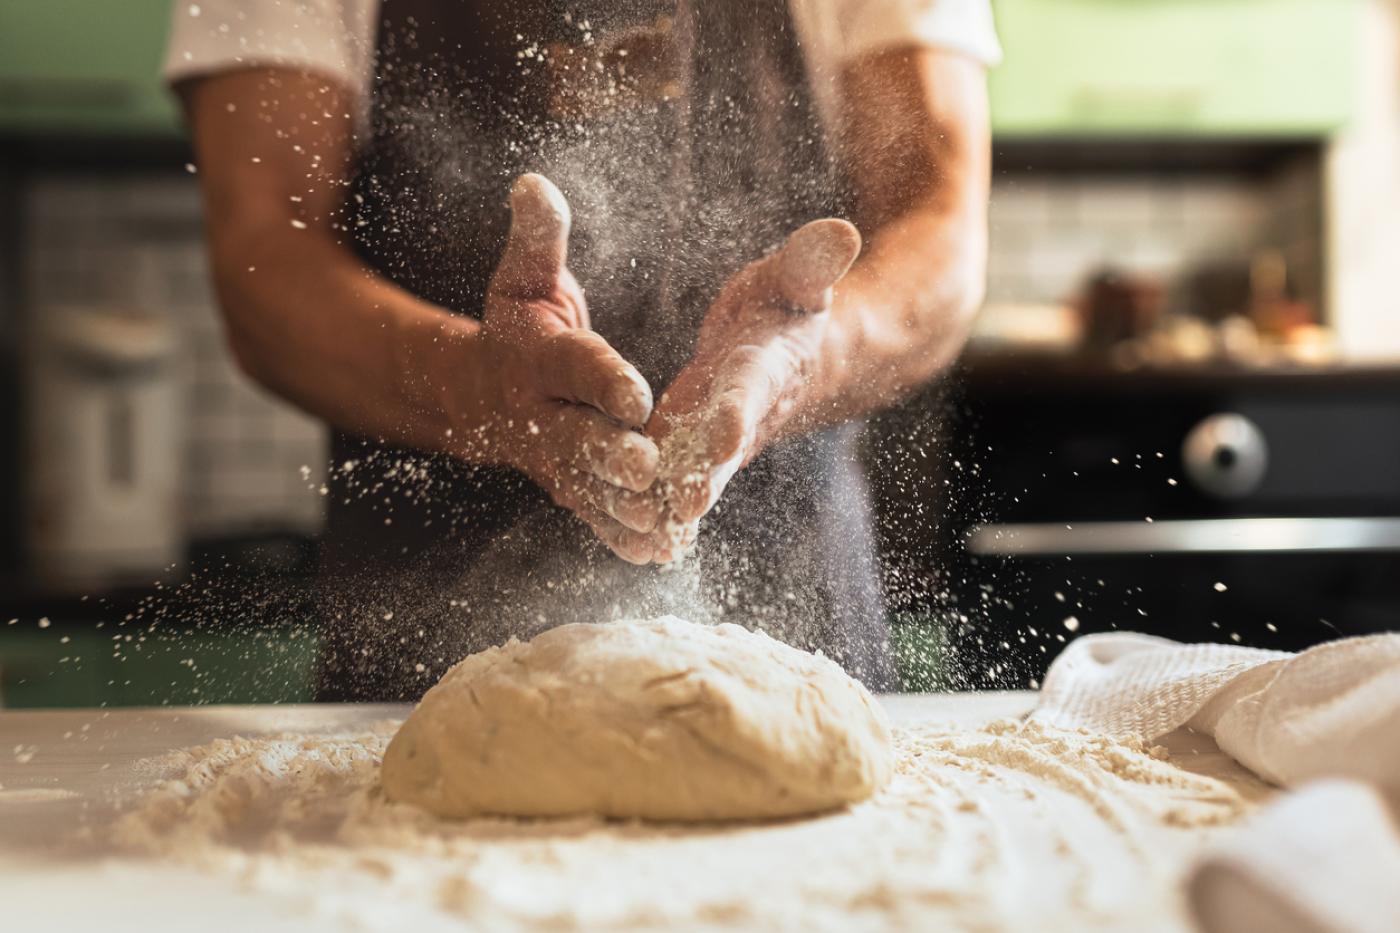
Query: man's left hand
756	351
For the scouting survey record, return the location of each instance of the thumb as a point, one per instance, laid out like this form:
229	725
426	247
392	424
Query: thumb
813	260
538	245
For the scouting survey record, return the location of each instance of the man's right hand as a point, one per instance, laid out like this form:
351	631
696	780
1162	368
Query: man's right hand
530	386
554	400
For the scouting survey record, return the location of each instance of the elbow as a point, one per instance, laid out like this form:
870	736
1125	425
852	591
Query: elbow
247	355
250	350
969	285
965	300
952	310
238	308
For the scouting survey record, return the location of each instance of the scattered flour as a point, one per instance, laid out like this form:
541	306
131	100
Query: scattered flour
1009	827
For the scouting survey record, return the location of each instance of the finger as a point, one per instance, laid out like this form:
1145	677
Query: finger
813	260
683	398
636	547
672	540
538	245
714	457
752	379
571	493
580	366
747	389
629	545
637	511
592	443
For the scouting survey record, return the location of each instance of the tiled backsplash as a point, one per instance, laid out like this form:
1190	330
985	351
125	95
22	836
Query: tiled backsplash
136	242
1051	232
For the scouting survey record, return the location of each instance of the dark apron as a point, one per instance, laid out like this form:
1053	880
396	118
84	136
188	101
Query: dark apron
428	559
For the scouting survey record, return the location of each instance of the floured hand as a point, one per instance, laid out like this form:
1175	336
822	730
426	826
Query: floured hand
757	346
563	405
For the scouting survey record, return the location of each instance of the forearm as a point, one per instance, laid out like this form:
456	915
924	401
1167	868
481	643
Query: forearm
305	316
902	313
916	143
310	322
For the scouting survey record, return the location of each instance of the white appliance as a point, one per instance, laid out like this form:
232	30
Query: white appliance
103	421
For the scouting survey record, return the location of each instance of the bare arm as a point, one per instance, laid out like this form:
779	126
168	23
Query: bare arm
304	316
530	386
916	144
795	341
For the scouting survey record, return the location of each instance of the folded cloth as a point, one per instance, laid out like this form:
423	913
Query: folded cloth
1325	859
1333	710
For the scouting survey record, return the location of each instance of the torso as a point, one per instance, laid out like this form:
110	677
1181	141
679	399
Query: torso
676	178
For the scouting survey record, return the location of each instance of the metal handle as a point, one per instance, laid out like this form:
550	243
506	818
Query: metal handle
1190	536
1226	455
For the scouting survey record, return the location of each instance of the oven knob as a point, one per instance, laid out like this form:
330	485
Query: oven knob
1226	455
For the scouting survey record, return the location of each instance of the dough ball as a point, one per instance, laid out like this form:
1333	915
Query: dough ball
660	719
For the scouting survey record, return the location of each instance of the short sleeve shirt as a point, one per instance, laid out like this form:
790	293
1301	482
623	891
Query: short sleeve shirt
336	38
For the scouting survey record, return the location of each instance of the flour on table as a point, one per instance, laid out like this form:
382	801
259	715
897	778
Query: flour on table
1008	827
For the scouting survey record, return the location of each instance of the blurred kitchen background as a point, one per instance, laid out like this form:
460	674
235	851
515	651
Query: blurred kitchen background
1192	325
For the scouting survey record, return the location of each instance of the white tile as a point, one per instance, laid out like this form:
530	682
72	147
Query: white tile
1018	205
1118	202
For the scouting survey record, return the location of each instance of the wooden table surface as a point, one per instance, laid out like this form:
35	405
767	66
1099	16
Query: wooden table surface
61	765
64	775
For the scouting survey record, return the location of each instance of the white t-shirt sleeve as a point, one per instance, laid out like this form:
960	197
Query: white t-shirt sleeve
837	31
334	38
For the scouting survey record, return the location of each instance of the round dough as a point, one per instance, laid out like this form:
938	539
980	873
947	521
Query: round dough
660	719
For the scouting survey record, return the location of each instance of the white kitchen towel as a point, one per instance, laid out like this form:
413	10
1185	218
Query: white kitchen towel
1333	710
1324	859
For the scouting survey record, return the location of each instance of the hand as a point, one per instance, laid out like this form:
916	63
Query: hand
758	344
560	404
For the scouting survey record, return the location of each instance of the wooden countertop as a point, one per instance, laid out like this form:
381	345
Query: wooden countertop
65	769
65	774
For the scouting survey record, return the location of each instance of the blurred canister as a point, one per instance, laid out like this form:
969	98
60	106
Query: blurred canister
1119	306
104	453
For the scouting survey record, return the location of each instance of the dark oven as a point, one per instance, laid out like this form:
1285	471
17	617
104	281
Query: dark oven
1258	507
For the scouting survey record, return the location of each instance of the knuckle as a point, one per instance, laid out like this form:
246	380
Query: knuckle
747	356
577	342
565	490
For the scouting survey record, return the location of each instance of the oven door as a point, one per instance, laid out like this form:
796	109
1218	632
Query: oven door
1254	508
